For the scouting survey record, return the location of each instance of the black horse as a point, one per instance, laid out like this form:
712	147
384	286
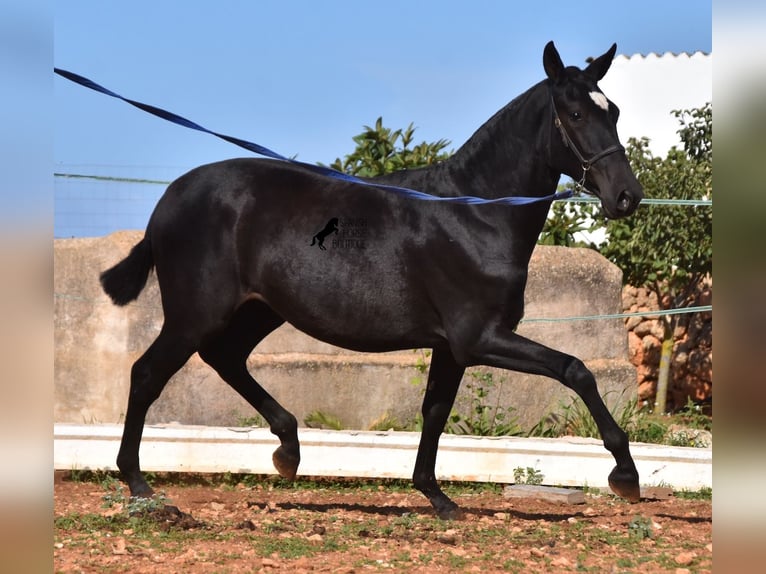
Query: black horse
228	241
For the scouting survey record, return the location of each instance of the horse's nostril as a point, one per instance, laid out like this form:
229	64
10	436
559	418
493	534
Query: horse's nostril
624	201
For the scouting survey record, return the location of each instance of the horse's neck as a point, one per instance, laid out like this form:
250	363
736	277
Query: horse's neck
507	156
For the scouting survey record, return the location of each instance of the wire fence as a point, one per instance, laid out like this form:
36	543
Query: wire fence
92	201
95	204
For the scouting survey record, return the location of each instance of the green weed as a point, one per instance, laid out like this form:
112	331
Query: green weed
255	420
527	475
484	419
640	527
321	420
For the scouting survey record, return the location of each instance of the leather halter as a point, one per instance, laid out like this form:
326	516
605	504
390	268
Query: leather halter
586	164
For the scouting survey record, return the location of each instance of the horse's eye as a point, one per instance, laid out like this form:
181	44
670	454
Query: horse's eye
575	116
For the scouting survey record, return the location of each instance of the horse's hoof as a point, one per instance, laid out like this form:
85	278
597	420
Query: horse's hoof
172	510
142	491
451	514
450	511
625	484
286	464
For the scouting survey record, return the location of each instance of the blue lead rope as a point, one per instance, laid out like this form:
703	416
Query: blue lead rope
260	150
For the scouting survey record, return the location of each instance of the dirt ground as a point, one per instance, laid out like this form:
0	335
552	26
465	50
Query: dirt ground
368	527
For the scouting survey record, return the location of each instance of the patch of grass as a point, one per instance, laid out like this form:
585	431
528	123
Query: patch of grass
455	561
641	425
255	420
625	563
513	565
386	422
692	416
288	547
321	420
574	419
458	488
704	493
89	522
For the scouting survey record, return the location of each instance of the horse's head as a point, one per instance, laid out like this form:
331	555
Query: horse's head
584	142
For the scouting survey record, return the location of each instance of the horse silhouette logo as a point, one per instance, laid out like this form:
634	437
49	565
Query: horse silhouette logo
331	227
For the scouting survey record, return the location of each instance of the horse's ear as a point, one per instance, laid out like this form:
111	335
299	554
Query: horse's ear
552	62
598	67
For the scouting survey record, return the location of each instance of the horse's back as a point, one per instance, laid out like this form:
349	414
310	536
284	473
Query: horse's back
240	229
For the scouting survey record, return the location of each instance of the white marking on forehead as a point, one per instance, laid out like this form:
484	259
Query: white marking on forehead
600	100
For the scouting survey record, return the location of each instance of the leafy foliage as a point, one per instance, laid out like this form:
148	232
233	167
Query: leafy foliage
483	419
528	475
380	150
669	249
665	248
565	220
321	420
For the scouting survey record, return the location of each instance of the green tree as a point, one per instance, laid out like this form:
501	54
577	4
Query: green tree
669	249
567	219
380	150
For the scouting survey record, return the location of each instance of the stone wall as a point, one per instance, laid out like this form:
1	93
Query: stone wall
692	365
97	342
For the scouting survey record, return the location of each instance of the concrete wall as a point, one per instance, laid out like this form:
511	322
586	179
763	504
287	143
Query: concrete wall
97	342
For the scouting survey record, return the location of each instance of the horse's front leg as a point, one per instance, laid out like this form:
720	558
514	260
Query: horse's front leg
505	349
444	378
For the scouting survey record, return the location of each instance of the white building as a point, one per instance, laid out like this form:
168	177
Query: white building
647	88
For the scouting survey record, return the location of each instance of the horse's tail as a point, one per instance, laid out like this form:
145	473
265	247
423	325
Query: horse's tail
124	281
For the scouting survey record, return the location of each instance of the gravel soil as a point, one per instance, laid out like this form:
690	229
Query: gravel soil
265	525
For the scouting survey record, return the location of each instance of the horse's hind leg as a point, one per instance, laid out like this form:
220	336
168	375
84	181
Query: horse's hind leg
511	351
166	355
227	353
444	378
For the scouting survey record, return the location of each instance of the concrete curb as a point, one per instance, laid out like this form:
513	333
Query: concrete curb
568	461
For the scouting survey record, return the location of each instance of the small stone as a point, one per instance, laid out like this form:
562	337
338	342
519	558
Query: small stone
501	515
119	547
315	538
561	562
537	552
685	558
448	537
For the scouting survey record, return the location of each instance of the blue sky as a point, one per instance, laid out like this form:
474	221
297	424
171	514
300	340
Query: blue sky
303	77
